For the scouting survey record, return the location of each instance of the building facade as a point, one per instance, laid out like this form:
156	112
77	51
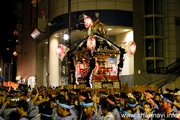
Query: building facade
152	24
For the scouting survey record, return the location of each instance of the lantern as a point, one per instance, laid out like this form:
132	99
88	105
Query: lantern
91	43
60	50
15	53
132	48
87	21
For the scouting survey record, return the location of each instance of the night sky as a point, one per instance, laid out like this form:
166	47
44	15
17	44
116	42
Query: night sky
8	23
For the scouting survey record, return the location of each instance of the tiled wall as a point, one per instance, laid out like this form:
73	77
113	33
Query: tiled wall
169	32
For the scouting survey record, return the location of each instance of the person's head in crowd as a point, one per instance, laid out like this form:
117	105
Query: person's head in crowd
22	107
71	98
64	92
18	94
176	90
152	92
147	108
3	92
26	98
117	98
106	105
52	102
39	97
43	92
171	92
164	90
148	96
60	97
157	98
111	98
13	101
100	93
130	102
49	96
14	115
82	96
89	94
63	108
46	111
29	93
74	91
88	107
167	102
137	96
177	95
123	96
127	113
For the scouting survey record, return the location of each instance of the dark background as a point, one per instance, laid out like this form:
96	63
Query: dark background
8	25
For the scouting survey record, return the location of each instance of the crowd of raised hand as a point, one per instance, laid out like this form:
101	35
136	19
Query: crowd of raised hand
73	104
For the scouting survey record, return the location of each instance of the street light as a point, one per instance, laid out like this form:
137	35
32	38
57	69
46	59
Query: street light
65	36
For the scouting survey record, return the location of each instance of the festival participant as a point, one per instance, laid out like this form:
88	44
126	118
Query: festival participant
8	107
55	114
46	111
63	110
177	100
167	106
147	111
52	102
32	109
22	107
117	99
88	111
157	99
130	102
71	102
107	107
137	97
127	113
115	110
123	96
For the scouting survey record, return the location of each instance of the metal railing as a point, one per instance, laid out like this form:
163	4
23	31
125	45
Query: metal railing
173	68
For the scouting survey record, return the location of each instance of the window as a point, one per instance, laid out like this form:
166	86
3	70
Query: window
148	7
148	26
158	26
150	66
158	7
149	47
159	47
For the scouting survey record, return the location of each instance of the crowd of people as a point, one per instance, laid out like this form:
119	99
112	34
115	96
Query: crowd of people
35	104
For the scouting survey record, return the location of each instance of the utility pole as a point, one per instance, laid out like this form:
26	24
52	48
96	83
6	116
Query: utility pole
69	32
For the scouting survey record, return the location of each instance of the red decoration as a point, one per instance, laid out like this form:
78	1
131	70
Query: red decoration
132	48
60	50
79	66
91	43
87	21
112	67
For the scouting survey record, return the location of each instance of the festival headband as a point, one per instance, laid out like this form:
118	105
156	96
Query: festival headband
15	99
82	97
63	105
128	114
46	115
131	105
110	101
86	104
167	100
